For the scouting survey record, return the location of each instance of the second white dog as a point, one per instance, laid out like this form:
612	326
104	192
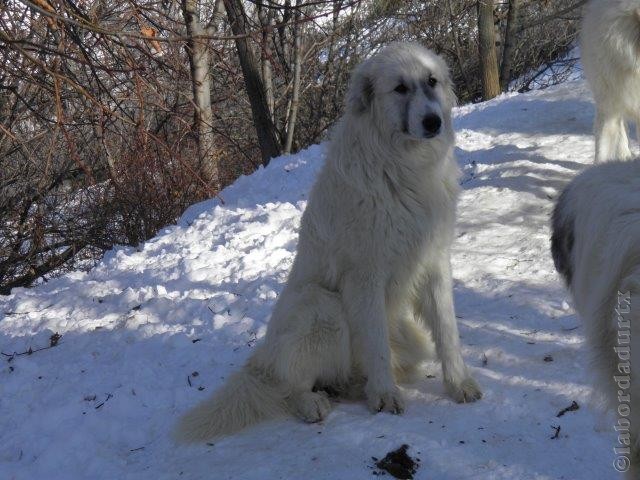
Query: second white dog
596	248
610	44
371	283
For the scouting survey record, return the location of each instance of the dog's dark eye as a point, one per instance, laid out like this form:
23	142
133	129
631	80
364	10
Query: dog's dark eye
402	88
432	82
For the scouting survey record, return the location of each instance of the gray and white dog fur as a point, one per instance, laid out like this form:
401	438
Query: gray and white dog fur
610	50
596	247
370	290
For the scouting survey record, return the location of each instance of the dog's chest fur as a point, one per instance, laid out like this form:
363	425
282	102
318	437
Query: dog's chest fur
384	210
401	215
419	217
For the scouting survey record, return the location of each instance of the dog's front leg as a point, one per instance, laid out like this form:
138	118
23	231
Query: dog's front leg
612	142
435	308
364	299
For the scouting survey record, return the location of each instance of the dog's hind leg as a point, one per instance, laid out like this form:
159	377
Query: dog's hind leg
612	142
434	306
311	347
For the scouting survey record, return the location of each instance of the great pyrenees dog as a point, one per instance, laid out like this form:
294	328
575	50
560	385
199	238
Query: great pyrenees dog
610	44
370	290
596	247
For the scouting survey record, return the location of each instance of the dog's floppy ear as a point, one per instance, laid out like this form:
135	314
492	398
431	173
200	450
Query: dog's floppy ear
562	239
447	81
451	93
360	92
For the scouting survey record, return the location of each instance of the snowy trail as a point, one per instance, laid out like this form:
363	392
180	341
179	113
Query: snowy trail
196	298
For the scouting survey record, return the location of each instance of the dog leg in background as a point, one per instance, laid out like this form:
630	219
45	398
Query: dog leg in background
435	308
610	54
364	296
612	142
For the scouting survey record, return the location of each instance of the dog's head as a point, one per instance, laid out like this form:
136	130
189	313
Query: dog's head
406	90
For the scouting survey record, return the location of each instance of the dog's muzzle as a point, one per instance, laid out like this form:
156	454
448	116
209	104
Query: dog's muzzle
432	125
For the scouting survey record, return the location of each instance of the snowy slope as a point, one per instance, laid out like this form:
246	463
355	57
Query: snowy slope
150	331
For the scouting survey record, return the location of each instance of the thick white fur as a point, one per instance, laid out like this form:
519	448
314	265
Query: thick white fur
371	283
610	44
596	245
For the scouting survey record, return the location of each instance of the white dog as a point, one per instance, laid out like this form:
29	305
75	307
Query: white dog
610	44
596	248
371	282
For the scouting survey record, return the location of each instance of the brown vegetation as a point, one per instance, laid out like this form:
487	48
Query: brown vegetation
115	116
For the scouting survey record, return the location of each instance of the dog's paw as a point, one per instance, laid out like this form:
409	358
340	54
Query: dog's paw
312	407
465	391
385	400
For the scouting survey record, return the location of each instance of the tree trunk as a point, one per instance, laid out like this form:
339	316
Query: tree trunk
198	53
513	19
266	22
295	96
265	129
487	47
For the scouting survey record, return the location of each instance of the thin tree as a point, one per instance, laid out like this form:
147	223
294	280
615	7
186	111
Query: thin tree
487	50
199	62
459	55
265	129
265	16
513	20
297	65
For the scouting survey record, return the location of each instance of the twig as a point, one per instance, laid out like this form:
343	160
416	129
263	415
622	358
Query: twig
571	408
54	340
105	401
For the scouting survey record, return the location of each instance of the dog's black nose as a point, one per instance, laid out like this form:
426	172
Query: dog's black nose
432	124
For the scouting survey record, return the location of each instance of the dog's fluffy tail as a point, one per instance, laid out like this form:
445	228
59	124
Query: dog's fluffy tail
246	399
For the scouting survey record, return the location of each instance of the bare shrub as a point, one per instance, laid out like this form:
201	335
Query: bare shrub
150	186
104	132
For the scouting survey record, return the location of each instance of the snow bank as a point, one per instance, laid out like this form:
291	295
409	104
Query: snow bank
150	331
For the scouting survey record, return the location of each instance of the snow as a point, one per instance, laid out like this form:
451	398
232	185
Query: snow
152	330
